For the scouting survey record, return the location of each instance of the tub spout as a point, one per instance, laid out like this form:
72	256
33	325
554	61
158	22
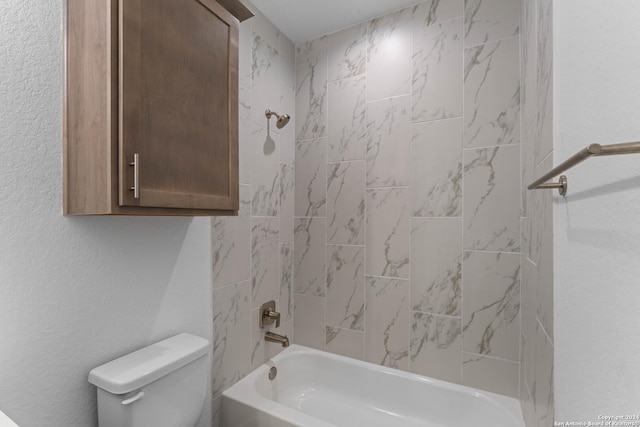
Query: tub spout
271	337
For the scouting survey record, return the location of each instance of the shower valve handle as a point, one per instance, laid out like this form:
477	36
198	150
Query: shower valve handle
268	314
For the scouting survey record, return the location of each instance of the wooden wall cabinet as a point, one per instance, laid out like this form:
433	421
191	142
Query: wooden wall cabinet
151	107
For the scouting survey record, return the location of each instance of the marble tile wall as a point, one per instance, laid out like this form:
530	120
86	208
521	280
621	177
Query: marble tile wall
391	209
537	339
408	195
253	255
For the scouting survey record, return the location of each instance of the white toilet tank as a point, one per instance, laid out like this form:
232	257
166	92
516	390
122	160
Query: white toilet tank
162	385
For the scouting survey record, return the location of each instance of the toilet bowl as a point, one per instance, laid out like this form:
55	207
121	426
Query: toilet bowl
162	385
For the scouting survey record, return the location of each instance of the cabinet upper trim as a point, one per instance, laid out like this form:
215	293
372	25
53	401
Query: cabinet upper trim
237	9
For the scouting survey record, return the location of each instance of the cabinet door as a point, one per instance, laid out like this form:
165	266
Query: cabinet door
178	104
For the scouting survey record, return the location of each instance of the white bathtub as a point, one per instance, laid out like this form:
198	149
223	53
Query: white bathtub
318	389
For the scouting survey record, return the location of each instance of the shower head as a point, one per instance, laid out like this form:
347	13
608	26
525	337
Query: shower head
282	119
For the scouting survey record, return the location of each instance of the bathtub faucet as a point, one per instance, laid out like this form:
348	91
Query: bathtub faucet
271	337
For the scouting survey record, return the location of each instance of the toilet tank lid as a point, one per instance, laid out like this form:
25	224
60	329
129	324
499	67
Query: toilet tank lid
148	364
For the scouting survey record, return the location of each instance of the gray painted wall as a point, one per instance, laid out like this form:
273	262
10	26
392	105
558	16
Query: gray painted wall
75	292
597	232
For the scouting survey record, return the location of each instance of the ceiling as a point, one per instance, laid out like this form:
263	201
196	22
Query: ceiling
303	20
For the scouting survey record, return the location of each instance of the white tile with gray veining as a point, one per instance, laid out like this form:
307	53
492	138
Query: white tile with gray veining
544	80
524	235
287	180
536	206
529	321
216	412
311	89
528	66
387	322
354	193
309	325
527	403
265	263
345	287
527	167
265	71
541	237
490	20
491	187
346	203
389	142
231	353
528	97
389	56
348	52
437	70
310	252
430	12
285	302
436	168
545	293
347	131
345	342
435	349
492	94
258	347
543	388
311	178
244	136
494	375
522	381
491	293
231	244
261	26
388	232
313	52
436	265
287	52
287	147
245	52
265	172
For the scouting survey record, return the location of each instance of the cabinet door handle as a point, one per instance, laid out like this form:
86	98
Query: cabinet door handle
136	176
